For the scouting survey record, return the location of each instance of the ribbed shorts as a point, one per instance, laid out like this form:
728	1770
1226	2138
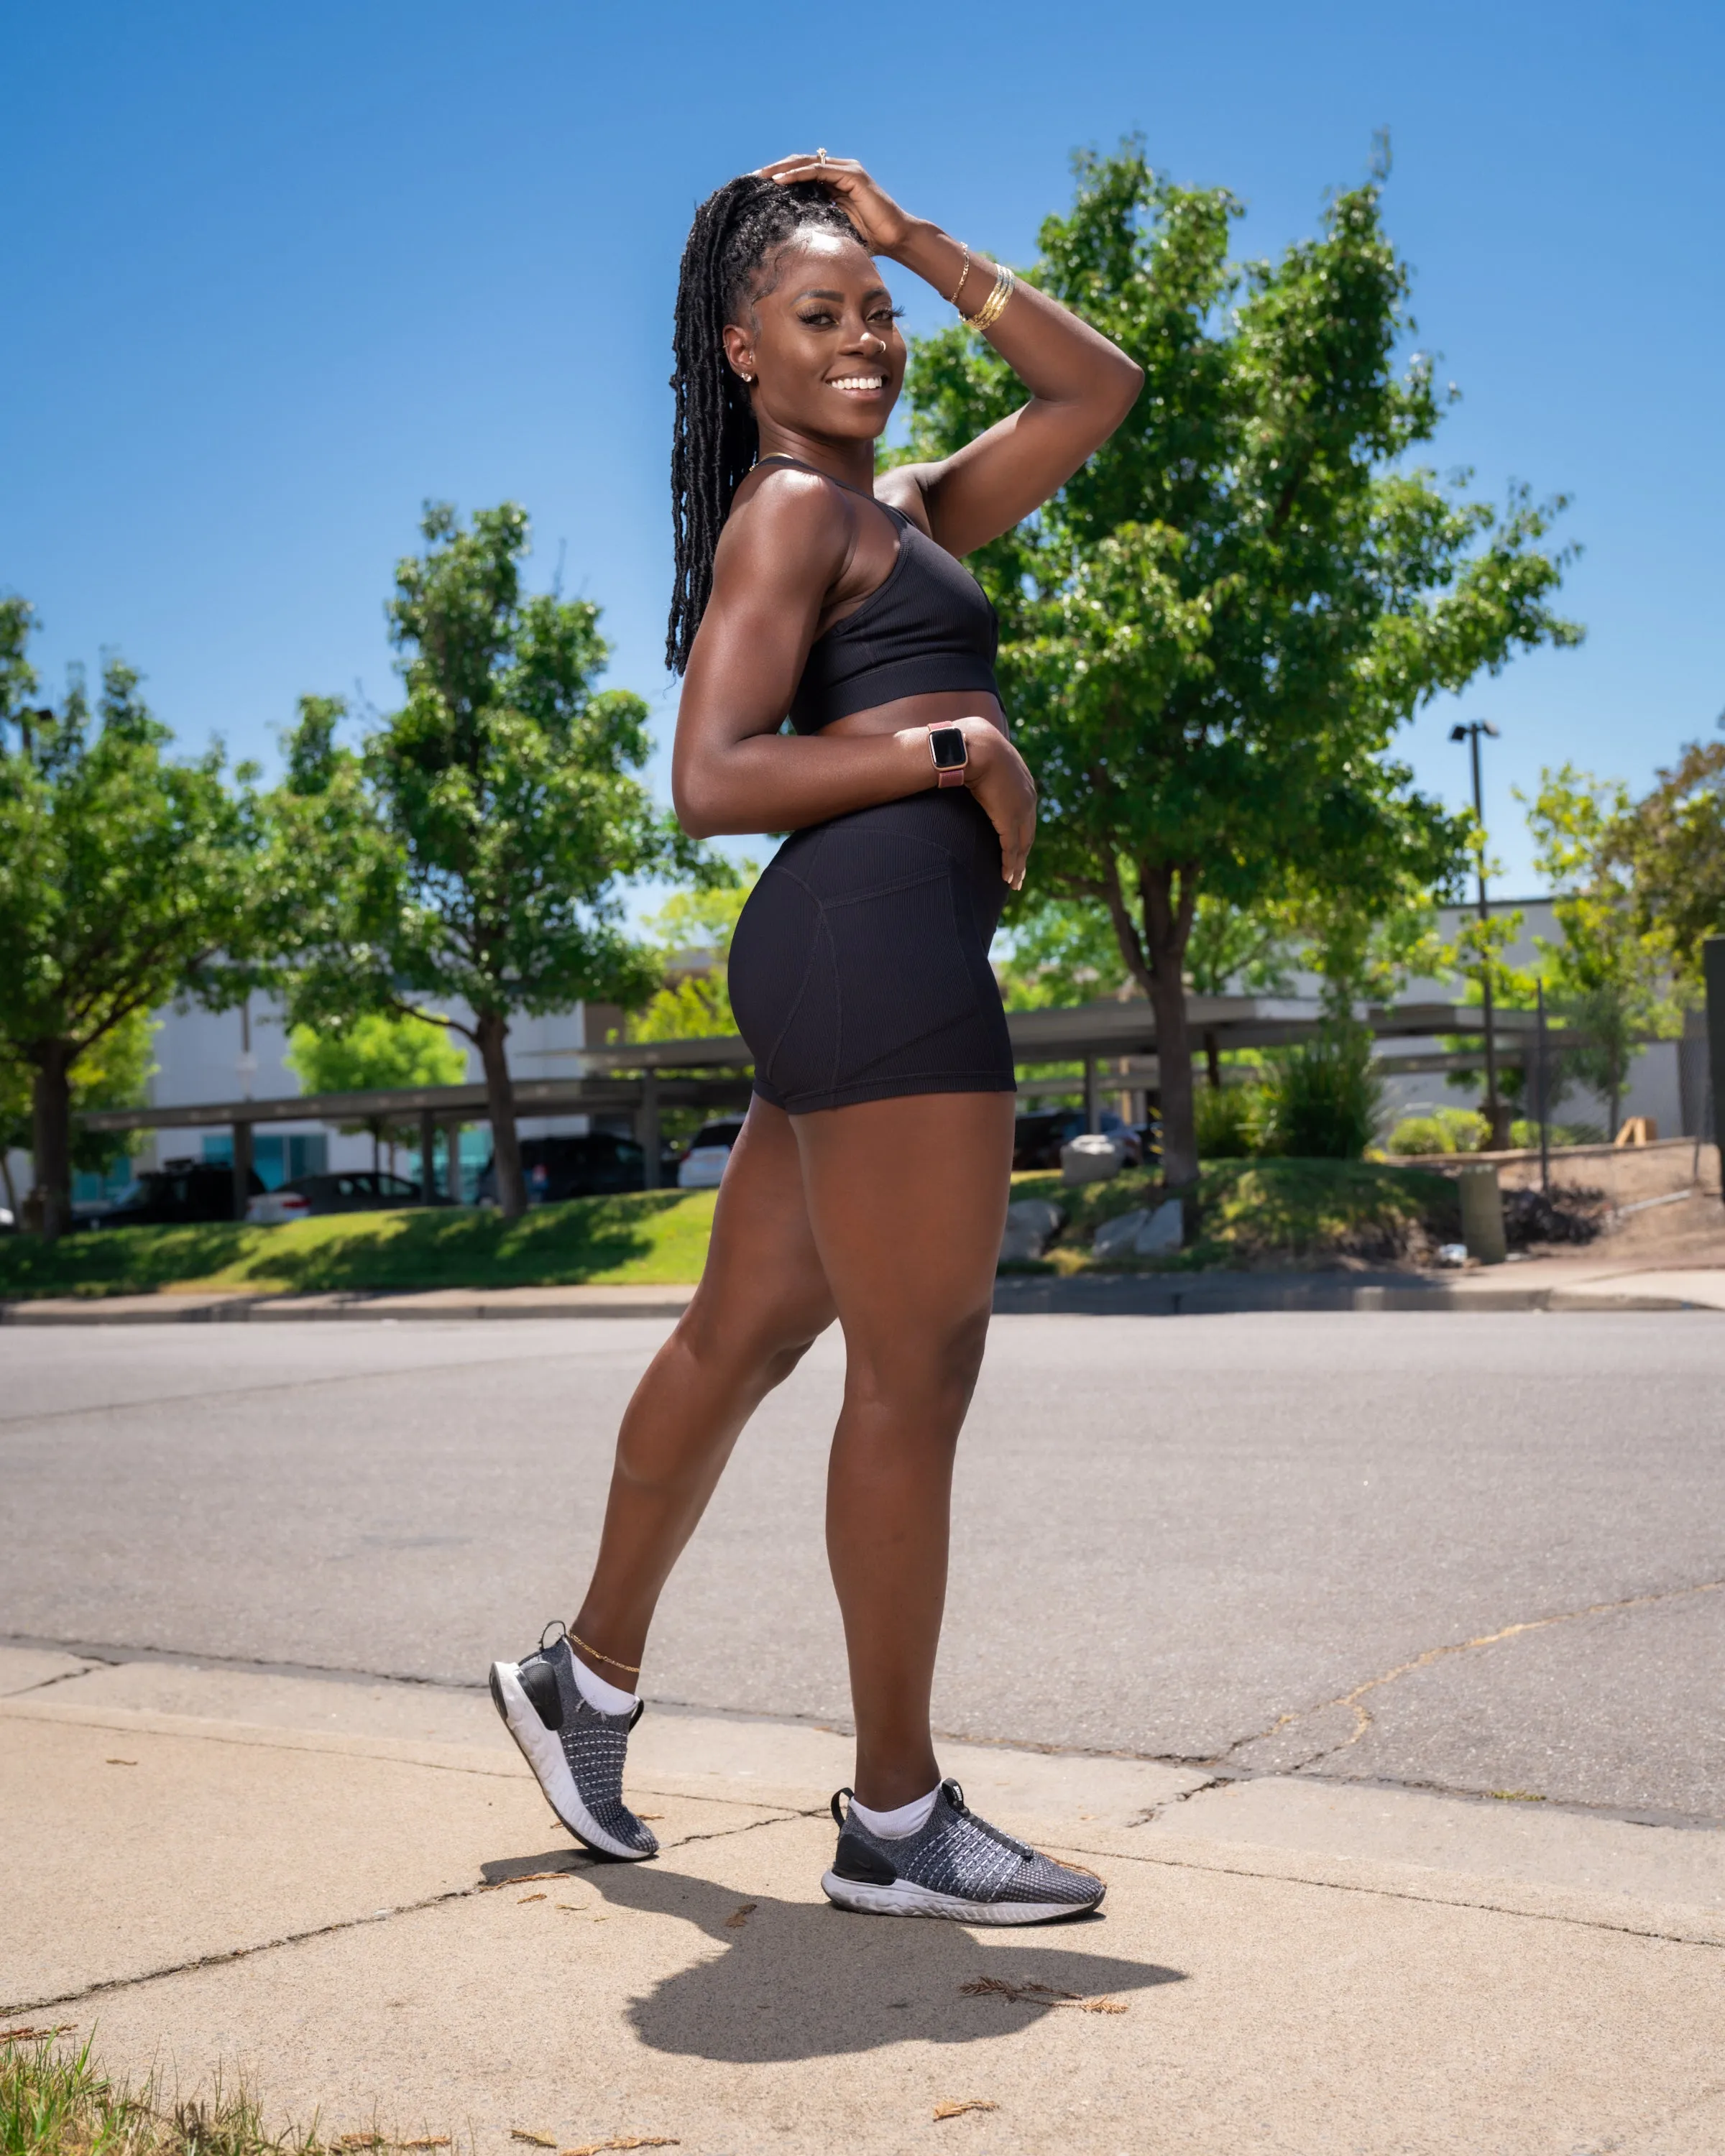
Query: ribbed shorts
859	967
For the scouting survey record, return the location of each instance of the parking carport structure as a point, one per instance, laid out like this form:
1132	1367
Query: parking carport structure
640	1079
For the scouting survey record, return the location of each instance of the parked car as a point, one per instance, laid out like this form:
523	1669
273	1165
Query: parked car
362	1190
585	1165
1039	1136
702	1167
179	1194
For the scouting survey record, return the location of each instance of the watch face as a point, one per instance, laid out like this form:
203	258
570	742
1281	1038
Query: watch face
947	746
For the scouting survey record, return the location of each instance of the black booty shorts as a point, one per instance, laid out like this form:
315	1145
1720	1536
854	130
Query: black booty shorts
860	966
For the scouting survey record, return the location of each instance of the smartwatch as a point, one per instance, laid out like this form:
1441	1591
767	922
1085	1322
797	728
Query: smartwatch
950	750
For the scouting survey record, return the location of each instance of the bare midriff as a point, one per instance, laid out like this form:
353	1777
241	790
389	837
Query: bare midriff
940	707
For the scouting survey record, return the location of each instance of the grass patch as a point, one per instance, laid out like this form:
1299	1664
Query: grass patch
1257	1213
1250	1212
648	1238
54	2102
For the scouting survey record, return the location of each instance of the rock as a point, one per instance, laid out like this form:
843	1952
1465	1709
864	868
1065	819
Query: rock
1141	1233
1118	1238
1091	1158
1039	1214
1164	1231
1020	1244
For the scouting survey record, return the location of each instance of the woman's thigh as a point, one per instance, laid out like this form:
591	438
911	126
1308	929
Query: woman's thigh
906	1200
764	1288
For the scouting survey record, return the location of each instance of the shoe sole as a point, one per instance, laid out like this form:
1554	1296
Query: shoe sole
905	1898
542	1753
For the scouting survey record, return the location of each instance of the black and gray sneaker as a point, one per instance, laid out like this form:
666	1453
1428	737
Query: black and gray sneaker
957	1866
576	1752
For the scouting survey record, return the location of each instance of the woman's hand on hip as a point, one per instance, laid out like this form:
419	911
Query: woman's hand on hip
881	225
1001	781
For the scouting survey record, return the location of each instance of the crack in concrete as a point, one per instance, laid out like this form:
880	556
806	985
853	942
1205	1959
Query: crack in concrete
327	1931
1363	1719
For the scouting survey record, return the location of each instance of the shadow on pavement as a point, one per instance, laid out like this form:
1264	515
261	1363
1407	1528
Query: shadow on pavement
802	1981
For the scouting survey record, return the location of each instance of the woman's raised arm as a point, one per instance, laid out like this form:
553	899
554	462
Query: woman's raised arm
1081	387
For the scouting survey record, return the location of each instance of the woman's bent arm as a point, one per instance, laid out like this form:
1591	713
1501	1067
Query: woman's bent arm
732	770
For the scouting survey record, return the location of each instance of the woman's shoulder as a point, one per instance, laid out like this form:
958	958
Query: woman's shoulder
786	520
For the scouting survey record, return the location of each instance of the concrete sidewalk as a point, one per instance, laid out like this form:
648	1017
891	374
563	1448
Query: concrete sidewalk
337	1889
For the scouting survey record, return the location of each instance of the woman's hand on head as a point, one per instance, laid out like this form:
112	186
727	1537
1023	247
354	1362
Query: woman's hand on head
1001	781
881	225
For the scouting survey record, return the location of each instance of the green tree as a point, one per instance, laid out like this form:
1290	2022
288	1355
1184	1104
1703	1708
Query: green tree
1672	844
695	1005
125	879
1211	637
378	1050
473	850
1608	976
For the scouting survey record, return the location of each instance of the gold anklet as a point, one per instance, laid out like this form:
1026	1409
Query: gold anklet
575	1640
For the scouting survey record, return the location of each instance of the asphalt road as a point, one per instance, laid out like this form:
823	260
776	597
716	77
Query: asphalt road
1481	1553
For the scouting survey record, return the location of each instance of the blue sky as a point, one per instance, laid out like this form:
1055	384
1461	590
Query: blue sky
277	276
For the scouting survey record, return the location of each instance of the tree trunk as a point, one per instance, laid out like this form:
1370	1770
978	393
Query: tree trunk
12	1203
491	1031
1167	923
51	1136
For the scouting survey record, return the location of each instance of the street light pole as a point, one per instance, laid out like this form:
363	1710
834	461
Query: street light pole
1496	1114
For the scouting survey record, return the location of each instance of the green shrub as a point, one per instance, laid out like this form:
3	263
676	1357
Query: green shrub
1445	1130
1228	1120
1323	1097
1526	1134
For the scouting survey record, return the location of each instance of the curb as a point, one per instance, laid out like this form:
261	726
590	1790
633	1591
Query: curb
1121	1295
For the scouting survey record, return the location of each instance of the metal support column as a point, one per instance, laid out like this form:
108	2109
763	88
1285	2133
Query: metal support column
1542	1081
242	1168
1713	967
427	1155
647	1129
1093	1104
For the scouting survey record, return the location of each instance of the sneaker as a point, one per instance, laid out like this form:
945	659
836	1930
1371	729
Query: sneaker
958	1866
576	1752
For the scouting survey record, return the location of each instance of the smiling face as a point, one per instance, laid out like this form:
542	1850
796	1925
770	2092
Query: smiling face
821	340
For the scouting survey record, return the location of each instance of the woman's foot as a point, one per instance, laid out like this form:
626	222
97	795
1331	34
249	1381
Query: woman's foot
957	1866
576	1752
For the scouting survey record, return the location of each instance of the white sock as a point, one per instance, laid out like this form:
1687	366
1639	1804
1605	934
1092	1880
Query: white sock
606	1697
893	1826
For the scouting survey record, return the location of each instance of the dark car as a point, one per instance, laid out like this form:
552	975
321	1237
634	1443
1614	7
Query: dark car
585	1166
355	1190
178	1193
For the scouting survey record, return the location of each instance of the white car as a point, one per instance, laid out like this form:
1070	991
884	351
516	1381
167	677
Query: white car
702	1167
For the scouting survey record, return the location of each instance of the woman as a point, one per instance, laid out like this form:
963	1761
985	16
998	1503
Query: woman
869	1181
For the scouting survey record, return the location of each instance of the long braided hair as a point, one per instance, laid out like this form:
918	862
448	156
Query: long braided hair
715	440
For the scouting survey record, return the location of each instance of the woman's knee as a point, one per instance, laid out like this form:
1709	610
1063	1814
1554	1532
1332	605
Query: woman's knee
936	1359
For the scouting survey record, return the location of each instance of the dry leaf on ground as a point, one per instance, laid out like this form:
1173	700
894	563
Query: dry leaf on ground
426	2141
527	1878
120	1763
523	1899
959	2110
1037	1994
657	1815
24	2035
372	2139
738	1918
533	2140
623	2141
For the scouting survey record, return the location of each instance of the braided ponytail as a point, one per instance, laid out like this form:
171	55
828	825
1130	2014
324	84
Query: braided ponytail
714	440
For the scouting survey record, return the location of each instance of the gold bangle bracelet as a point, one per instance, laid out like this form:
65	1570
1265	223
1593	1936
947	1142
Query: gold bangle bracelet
959	288
990	310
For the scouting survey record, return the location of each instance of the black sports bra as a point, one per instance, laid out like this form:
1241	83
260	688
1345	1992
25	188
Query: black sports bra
929	626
